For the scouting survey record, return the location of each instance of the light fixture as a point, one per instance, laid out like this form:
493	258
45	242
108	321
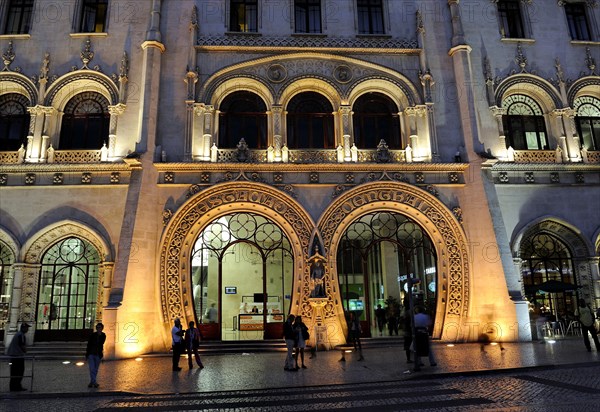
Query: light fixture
138	359
66	362
450	345
79	363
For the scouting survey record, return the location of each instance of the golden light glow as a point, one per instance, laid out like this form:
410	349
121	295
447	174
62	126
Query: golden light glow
66	362
80	363
138	359
494	343
450	345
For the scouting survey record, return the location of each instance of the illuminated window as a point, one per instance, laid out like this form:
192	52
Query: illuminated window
524	124
588	121
578	21
370	16
243	16
14	121
85	122
307	16
18	17
94	15
7	258
243	115
68	288
376	117
511	19
310	122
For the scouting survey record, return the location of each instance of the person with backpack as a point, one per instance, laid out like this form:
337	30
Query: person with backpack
586	318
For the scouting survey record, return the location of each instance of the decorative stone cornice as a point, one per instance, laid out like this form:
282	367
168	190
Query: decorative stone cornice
65	167
263	43
543	167
117	109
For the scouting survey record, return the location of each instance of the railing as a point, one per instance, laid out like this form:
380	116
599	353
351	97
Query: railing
308	156
535	156
60	156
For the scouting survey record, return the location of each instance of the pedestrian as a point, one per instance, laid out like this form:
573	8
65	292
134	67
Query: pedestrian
354	331
422	343
586	318
393	322
380	316
211	314
177	334
94	353
16	350
289	334
408	338
192	342
301	336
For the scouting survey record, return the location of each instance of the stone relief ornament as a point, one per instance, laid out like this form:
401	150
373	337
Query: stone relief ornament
166	215
276	73
342	74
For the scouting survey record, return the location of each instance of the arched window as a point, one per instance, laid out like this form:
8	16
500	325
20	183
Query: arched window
588	121
243	115
547	259
14	121
68	290
524	124
85	122
375	118
310	122
7	258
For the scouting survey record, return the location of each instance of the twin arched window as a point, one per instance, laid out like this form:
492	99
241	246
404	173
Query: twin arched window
524	124
14	121
588	121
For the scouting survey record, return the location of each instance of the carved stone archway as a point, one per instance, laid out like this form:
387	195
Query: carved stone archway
206	206
436	220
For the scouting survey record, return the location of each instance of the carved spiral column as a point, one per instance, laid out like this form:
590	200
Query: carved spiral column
206	113
33	142
345	115
114	111
498	112
277	112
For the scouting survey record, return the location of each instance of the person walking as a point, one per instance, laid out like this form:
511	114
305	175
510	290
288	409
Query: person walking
94	353
354	331
289	334
381	319
301	335
192	342
421	338
408	336
177	334
16	350
586	318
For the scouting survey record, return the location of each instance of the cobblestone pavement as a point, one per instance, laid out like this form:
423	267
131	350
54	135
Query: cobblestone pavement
524	377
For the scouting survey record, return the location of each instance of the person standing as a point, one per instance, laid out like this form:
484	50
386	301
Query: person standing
289	334
354	331
422	343
408	337
94	353
301	335
381	318
211	314
192	341
586	318
16	350
177	334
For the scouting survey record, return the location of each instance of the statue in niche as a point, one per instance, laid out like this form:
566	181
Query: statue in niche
317	275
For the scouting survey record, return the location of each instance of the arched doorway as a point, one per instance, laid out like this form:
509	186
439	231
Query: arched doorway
376	255
68	290
241	274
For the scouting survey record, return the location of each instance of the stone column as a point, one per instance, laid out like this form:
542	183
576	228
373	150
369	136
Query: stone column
24	298
562	140
48	113
104	281
411	114
345	113
277	112
206	113
34	136
191	79
498	112
594	263
521	306
114	111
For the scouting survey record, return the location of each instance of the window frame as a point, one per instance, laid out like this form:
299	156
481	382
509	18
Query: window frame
311	120
307	5
70	121
21	121
5	14
536	118
573	26
248	4
388	121
593	143
370	6
260	119
507	17
78	17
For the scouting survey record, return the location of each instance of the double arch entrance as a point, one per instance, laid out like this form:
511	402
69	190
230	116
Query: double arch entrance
195	274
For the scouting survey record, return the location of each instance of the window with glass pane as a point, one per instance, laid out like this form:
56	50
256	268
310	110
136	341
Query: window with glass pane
588	121
577	21
307	16
18	17
68	286
243	115
243	16
310	122
7	258
85	122
94	16
511	21
14	121
524	124
376	117
370	16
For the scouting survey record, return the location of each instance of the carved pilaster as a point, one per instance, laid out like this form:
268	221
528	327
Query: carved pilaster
114	111
498	112
105	272
276	116
345	113
568	143
205	113
29	293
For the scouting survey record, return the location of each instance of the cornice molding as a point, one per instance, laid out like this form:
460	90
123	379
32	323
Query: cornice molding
545	167
66	168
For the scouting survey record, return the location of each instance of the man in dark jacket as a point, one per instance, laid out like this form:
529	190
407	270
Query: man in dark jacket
289	334
94	353
16	351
